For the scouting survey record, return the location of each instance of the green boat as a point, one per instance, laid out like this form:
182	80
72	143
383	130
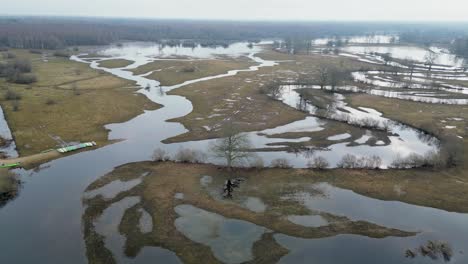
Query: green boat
76	147
12	165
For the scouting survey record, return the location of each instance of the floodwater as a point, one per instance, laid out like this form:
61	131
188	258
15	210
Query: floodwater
45	220
403	141
230	240
429	223
369	39
408	52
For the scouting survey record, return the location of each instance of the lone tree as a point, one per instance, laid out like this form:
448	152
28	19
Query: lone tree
323	76
233	146
430	59
411	68
337	76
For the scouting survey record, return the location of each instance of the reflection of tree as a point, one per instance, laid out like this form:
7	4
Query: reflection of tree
302	104
9	187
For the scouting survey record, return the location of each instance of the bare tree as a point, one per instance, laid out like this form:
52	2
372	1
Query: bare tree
233	146
430	58
319	163
323	76
411	67
337	77
387	58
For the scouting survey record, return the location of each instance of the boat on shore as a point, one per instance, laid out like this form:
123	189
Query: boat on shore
77	147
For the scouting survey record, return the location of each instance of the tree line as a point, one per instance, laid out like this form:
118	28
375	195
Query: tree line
56	33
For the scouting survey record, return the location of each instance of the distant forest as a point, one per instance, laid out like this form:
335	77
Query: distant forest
58	33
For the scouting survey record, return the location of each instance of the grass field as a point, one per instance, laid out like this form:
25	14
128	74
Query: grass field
115	63
171	72
242	94
70	101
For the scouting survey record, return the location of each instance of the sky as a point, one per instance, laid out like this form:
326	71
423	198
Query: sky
337	10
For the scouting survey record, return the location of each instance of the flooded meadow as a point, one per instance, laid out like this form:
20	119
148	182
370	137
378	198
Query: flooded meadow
114	205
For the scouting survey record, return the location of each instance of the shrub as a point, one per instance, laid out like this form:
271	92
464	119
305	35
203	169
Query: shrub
430	159
62	53
188	69
50	102
25	78
9	55
280	163
22	65
451	150
319	163
160	154
12	95
372	162
15	105
35	51
257	162
348	161
186	155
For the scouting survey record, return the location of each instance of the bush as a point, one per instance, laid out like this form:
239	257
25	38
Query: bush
21	65
257	162
9	55
186	155
348	161
188	69
12	95
18	71
372	162
15	106
35	51
451	150
50	102
62	53
24	78
160	154
280	163
319	163
430	159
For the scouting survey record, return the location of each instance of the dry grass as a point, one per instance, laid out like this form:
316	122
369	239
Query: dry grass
86	100
166	179
115	63
171	72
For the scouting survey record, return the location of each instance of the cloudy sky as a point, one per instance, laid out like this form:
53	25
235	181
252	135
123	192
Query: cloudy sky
388	10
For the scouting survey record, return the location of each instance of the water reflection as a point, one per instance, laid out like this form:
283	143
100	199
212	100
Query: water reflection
433	224
230	240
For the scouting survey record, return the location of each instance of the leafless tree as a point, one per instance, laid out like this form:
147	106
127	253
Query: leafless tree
430	58
323	76
319	163
233	146
387	58
337	77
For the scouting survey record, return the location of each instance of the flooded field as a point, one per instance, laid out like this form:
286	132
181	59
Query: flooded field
297	238
126	215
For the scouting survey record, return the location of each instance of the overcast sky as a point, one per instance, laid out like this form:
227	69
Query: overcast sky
393	10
